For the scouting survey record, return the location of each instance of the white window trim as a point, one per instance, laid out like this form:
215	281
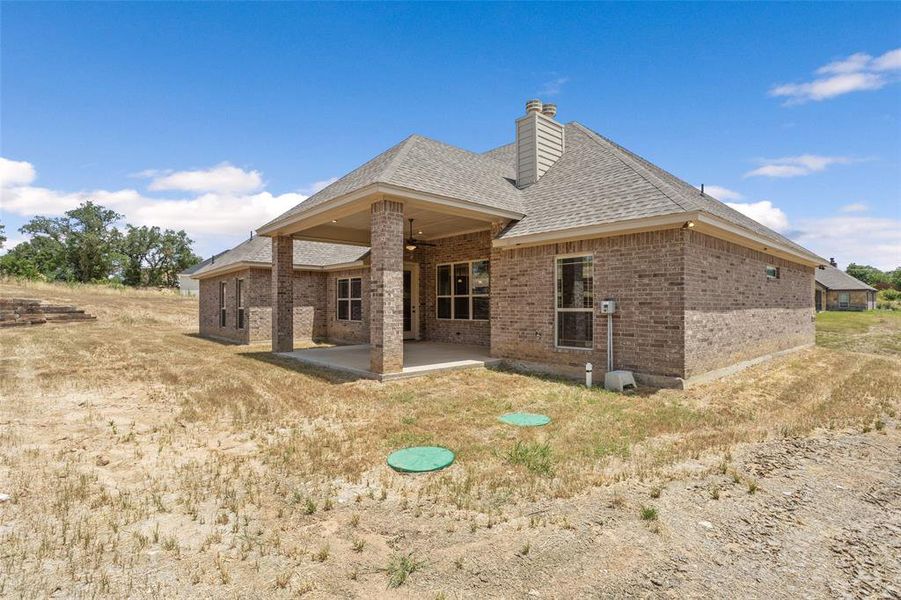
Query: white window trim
240	312
559	310
470	295
349	299
223	304
767	271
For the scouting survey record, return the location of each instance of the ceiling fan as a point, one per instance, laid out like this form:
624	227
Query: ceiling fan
411	242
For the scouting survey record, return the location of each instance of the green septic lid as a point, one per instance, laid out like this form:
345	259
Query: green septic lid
525	419
420	459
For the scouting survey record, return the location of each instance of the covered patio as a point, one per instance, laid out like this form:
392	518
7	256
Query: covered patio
419	358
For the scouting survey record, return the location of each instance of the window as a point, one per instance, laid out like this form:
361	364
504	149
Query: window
772	272
463	291
844	299
575	302
239	303
350	299
221	304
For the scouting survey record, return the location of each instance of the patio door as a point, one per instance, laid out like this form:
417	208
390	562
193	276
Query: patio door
411	302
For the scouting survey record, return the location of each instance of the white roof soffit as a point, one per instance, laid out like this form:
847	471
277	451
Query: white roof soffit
703	222
240	266
352	202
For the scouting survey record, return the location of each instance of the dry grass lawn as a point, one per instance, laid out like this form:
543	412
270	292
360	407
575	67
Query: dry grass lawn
144	460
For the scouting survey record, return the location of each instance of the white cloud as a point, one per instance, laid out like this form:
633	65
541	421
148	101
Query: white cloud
223	178
854	207
864	240
553	87
856	73
721	193
211	214
15	172
764	213
796	166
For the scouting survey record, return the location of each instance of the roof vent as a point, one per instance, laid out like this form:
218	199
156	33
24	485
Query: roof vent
539	142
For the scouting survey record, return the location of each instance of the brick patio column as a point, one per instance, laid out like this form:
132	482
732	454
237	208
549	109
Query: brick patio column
282	294
386	322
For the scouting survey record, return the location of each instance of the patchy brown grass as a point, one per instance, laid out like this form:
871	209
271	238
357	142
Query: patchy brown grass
131	443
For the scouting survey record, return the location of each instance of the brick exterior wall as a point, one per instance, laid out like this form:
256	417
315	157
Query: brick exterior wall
348	332
733	312
642	272
309	309
460	248
209	307
386	287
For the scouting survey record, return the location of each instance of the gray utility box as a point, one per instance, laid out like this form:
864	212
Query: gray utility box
608	307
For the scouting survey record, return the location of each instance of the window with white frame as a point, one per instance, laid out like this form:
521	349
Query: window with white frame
222	319
463	291
239	303
350	299
772	272
575	302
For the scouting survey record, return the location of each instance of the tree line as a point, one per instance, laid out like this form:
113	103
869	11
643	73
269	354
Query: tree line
881	280
84	245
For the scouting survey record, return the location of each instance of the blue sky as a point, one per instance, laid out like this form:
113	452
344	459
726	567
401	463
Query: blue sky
215	117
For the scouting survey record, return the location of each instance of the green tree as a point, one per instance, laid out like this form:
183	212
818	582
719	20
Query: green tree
894	278
869	275
2	235
137	245
154	257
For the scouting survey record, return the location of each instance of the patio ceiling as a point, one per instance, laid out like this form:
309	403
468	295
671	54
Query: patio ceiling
349	223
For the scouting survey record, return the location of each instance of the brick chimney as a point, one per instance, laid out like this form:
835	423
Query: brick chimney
539	142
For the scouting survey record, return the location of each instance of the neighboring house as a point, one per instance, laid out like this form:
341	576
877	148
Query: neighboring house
836	290
187	285
514	249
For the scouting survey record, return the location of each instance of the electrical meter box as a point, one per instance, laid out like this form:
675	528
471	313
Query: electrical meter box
608	307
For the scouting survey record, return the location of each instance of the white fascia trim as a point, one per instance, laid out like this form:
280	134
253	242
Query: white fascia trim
392	190
600	230
766	245
240	266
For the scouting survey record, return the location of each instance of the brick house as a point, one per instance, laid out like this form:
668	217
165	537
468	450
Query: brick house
513	250
836	290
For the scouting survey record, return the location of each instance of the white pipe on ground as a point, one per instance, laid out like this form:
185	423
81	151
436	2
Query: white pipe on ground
609	342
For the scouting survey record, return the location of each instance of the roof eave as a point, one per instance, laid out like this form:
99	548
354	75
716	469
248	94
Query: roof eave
286	222
240	266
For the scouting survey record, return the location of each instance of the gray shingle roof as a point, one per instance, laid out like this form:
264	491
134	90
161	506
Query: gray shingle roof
425	165
308	254
836	279
193	269
596	181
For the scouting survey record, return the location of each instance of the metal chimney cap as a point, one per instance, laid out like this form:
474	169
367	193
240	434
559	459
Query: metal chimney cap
533	105
549	110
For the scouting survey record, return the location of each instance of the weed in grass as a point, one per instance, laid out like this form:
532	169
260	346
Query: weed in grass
715	493
358	545
282	580
354	520
648	513
322	554
752	486
656	491
534	456
524	551
617	501
400	568
458	562
310	507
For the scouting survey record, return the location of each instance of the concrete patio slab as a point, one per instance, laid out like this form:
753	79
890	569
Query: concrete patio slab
420	358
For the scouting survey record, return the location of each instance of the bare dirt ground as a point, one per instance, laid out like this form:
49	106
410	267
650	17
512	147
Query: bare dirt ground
142	461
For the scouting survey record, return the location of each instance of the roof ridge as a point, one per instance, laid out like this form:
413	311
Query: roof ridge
639	169
405	146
